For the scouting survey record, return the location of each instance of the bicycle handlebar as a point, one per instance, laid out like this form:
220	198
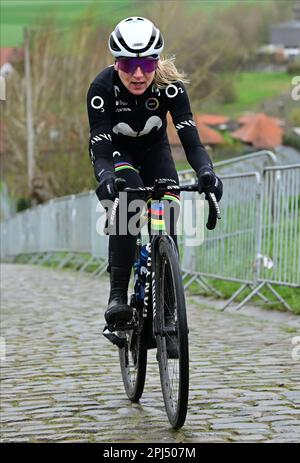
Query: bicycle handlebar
158	189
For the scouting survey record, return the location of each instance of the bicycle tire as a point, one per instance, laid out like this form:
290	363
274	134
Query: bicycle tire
133	359
169	291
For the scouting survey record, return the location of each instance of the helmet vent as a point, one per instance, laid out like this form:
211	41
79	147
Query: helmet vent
159	42
113	45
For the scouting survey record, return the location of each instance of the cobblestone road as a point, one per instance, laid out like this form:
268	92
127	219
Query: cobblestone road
61	379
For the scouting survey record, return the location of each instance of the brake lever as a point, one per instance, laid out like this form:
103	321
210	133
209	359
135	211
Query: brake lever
216	205
113	212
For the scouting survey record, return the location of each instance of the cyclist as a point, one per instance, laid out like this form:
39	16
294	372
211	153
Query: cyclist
127	105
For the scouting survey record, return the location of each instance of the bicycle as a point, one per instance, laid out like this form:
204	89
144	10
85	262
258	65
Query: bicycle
159	315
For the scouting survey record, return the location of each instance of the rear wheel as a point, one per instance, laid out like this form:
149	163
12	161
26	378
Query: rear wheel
171	330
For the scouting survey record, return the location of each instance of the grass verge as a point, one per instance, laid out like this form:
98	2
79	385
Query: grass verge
228	288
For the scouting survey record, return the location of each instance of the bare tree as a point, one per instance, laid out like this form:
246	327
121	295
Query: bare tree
63	63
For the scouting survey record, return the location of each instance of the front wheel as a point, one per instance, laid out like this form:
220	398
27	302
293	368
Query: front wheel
171	331
133	358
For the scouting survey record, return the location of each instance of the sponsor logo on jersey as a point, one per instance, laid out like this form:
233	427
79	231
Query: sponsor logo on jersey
154	89
124	129
122	110
172	91
100	137
121	103
97	102
152	104
183	124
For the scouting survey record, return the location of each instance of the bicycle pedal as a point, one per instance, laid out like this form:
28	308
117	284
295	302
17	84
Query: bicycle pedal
113	338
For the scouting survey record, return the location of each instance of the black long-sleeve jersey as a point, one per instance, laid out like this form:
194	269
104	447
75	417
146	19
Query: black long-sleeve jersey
120	119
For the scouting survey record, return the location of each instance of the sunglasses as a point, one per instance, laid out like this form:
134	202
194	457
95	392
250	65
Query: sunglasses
129	65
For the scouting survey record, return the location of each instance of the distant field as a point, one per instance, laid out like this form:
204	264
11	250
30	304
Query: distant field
253	88
15	14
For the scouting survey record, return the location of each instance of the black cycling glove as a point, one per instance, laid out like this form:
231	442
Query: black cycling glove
107	188
209	181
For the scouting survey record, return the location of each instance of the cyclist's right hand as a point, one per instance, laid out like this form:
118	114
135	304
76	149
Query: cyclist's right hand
107	187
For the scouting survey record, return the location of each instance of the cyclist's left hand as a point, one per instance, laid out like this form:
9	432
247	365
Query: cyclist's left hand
209	181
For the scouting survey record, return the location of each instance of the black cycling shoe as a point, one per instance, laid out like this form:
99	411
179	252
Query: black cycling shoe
118	311
118	314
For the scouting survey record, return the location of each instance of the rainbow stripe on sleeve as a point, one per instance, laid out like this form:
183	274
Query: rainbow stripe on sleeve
124	165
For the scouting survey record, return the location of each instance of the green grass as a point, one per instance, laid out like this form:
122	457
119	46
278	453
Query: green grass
15	14
253	89
182	165
227	289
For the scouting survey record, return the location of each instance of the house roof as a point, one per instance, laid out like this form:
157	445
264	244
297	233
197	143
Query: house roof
261	131
246	118
208	135
11	55
212	119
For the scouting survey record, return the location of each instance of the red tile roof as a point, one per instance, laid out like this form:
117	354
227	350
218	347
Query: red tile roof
11	55
250	116
208	136
261	131
212	119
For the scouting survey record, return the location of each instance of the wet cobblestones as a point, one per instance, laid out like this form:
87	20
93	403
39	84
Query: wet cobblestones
61	380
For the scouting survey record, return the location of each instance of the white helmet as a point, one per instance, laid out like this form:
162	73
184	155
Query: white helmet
135	37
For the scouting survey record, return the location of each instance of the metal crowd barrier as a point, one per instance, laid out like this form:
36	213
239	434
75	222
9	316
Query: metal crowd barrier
280	228
256	243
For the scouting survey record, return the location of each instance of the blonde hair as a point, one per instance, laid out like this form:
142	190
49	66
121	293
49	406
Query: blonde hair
167	73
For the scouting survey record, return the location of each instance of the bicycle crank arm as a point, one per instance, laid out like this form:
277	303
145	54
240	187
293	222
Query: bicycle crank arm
113	338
